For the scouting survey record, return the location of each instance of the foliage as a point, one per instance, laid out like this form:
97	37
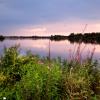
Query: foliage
32	78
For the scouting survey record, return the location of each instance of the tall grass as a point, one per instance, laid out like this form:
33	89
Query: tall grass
31	78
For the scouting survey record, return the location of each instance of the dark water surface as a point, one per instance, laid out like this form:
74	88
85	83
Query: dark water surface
63	49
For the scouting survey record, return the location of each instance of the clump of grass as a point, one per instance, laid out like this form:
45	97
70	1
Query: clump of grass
31	78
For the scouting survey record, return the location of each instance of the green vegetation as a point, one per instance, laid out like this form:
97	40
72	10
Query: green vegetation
32	78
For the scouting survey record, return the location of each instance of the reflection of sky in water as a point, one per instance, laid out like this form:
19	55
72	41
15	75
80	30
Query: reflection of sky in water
57	48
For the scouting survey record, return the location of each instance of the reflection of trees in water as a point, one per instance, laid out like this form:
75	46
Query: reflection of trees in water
1	40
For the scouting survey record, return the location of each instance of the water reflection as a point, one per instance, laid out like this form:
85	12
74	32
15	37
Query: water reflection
63	49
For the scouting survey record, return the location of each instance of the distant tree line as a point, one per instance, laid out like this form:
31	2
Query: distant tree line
58	37
2	38
93	37
86	37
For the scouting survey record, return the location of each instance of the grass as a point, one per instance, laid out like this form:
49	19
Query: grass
31	78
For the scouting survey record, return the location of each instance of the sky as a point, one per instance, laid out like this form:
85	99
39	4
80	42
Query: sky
46	17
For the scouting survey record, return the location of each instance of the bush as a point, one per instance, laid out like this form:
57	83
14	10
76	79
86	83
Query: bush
32	78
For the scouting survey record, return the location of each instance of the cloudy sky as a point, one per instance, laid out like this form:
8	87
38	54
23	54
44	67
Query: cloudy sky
46	17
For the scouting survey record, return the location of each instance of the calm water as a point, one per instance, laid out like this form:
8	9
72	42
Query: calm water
63	49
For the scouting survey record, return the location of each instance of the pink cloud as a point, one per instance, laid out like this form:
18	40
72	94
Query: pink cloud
62	28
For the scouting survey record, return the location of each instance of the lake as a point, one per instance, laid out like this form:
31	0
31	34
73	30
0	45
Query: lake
63	48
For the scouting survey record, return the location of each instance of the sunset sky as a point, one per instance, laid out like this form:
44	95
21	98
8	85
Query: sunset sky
46	17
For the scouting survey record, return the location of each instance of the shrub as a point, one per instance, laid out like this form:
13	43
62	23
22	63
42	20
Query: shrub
32	78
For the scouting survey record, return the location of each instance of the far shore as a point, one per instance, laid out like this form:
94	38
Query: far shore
93	37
